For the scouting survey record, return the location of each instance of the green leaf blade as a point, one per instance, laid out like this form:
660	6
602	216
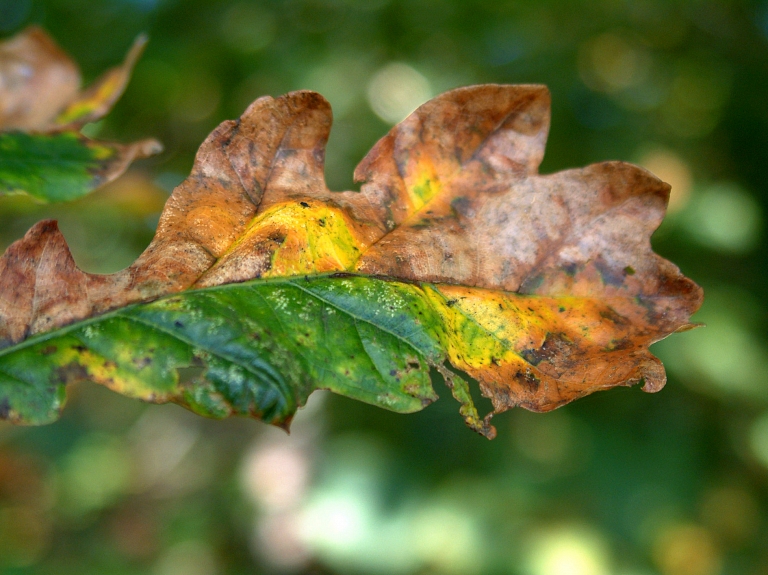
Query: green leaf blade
63	166
253	349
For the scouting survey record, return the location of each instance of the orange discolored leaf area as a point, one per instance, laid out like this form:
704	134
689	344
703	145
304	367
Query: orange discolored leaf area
42	109
543	288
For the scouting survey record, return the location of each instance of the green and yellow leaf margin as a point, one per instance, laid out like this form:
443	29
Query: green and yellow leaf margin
260	348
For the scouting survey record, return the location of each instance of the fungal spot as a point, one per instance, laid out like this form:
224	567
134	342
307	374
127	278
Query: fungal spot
609	275
70	373
462	206
142	362
528	380
611	315
618	345
190	373
49	350
569	269
555	345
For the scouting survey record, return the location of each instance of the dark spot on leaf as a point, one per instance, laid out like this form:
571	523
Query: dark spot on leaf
463	207
629	270
48	350
70	373
80	348
414	364
451	302
609	275
178	324
304	205
611	315
5	408
392	372
555	345
528	380
620	344
321	222
532	284
142	362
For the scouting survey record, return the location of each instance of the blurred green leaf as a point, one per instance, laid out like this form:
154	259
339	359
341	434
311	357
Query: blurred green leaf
60	167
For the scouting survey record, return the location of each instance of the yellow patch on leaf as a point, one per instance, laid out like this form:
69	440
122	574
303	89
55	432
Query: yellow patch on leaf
315	238
424	186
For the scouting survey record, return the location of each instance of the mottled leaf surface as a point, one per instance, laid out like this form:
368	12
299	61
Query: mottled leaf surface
456	256
42	109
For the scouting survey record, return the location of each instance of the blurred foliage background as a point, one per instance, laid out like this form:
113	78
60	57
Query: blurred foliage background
618	483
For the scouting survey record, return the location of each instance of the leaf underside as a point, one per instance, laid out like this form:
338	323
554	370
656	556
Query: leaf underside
261	285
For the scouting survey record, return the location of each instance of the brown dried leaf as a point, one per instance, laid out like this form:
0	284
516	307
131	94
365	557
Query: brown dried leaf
547	283
37	81
40	85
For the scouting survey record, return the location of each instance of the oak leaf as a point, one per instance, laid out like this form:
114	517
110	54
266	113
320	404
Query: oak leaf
42	109
456	256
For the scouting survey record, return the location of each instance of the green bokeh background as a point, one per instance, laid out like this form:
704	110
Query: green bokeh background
618	483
